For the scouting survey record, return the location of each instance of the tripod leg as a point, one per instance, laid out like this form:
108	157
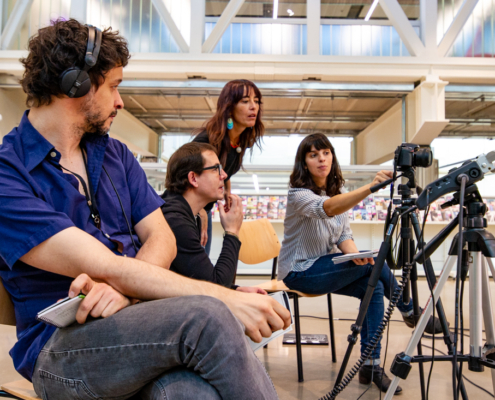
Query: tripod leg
475	303
415	297
420	327
487	313
490	264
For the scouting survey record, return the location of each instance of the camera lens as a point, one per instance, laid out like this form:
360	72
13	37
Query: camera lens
423	158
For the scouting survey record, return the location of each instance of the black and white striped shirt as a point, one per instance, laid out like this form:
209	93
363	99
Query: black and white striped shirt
309	233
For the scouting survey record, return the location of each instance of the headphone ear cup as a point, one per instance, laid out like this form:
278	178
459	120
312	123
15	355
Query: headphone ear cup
68	81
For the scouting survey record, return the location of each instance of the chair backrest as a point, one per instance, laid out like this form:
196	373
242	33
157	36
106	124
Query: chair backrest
7	314
259	241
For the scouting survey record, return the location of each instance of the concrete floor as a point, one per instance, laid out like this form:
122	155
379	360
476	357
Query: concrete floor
319	371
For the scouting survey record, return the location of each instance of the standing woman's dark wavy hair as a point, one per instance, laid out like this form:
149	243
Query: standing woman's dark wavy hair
301	178
216	127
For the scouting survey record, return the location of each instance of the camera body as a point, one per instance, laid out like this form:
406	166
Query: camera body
409	155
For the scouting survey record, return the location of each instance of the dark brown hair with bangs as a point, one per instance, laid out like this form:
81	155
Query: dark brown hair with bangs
60	46
301	177
216	128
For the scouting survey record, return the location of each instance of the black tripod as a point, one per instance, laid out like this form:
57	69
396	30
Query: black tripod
409	221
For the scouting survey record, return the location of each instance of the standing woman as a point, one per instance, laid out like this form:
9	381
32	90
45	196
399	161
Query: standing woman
316	229
235	127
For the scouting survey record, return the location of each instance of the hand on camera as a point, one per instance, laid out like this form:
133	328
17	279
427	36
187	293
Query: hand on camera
101	299
381	176
231	218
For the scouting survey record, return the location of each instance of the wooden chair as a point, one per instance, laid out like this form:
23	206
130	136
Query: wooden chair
22	388
259	244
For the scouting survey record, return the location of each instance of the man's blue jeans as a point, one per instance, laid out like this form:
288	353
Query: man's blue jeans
182	348
349	279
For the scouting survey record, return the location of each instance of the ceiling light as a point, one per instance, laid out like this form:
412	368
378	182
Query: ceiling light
275	9
370	11
290	12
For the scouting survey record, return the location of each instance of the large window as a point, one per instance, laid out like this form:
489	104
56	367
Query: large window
359	9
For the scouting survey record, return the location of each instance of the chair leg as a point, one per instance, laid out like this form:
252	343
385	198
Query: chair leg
332	332
298	339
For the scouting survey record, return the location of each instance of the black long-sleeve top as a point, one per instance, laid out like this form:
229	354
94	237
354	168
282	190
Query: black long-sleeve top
192	260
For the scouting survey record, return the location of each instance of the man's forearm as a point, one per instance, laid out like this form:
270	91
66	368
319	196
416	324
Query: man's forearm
73	252
159	249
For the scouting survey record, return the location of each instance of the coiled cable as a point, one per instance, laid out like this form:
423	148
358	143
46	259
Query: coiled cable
376	337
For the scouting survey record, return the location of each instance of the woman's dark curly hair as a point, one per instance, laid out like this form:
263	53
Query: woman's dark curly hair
60	46
187	158
301	178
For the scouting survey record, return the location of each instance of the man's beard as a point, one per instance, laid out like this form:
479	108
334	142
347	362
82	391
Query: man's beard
94	123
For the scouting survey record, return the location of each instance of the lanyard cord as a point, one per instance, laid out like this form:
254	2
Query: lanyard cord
88	192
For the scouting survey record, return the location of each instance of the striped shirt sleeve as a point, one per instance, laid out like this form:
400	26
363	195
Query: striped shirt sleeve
346	232
307	204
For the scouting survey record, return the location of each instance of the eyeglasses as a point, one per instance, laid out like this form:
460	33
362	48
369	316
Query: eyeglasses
216	166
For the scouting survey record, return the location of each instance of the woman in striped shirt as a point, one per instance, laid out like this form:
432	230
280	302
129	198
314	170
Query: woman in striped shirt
317	228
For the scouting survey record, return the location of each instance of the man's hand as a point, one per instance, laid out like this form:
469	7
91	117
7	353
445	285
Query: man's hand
261	315
204	227
231	219
381	176
101	299
251	289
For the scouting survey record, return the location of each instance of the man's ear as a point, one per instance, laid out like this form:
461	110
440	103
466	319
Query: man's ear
191	177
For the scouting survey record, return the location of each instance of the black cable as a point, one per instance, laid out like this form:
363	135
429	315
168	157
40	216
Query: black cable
123	211
459	375
463	376
374	340
463	180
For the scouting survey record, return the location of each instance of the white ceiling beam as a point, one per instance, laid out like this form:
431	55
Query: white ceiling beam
197	25
456	26
401	23
171	25
313	24
223	23
428	19
15	22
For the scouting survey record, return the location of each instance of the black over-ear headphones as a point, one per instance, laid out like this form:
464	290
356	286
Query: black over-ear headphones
74	82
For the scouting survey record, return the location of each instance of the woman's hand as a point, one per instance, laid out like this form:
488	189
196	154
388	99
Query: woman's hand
381	176
101	299
204	227
364	261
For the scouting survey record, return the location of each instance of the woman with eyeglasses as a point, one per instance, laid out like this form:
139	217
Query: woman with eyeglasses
235	127
317	229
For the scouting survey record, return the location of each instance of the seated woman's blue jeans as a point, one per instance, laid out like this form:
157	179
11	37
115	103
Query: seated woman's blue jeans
349	279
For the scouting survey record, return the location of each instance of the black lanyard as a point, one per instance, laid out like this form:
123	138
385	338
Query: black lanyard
91	200
88	191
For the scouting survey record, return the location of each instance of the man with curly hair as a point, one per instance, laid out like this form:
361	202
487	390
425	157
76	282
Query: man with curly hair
67	192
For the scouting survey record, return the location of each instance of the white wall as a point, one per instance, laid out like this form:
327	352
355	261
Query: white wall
12	106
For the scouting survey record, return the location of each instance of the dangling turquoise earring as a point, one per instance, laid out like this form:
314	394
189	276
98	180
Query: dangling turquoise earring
230	123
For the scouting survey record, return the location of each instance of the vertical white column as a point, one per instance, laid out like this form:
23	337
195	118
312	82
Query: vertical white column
313	11
428	19
197	26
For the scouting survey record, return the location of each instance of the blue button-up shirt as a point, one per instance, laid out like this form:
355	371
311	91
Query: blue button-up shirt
38	200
